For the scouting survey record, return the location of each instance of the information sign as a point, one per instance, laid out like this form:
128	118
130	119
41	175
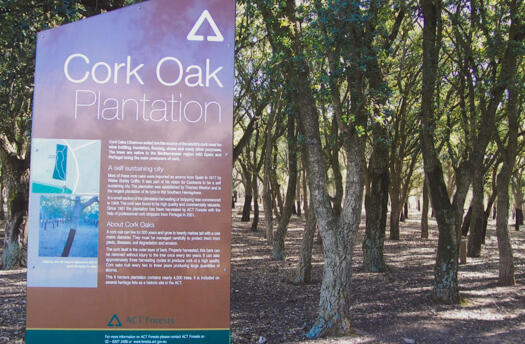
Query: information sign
130	192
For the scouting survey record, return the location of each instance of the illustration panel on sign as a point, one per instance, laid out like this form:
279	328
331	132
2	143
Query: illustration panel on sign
68	226
66	166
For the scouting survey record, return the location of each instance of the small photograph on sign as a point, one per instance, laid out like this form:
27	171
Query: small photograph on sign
65	166
68	226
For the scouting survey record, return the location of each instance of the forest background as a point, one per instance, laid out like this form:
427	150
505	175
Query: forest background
342	109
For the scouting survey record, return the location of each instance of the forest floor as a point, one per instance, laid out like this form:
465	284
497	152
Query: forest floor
391	307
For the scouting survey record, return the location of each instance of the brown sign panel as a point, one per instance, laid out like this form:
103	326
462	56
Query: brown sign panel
130	211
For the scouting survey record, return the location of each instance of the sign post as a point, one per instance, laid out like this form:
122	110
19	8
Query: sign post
129	211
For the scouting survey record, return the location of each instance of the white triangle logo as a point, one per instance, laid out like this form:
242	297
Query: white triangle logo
192	36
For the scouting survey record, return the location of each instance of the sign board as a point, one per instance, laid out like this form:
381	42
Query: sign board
129	212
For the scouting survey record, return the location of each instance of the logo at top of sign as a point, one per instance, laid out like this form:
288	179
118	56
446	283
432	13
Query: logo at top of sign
192	36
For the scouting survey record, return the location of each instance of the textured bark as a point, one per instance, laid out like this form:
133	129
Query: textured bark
395	212
255	187
278	250
486	216
445	286
475	237
298	210
267	193
303	272
276	188
518	198
465	227
519	219
2	212
424	211
16	184
376	204
506	262
336	167
248	196
246	209
490	204
338	232
508	153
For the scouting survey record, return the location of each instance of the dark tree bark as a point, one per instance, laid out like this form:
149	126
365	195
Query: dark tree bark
333	153
303	272
267	192
506	261
276	188
518	197
278	251
2	211
298	194
255	187
490	204
445	288
424	211
248	196
449	216
395	211
508	153
376	202
257	164
465	227
246	209
519	219
476	224
338	232
16	184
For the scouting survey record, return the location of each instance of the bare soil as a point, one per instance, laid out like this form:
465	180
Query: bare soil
391	307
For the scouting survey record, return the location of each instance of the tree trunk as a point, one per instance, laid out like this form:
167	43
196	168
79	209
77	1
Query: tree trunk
465	227
247	181
476	224
15	240
267	192
376	204
276	187
518	199
255	187
445	288
246	209
298	194
338	232
406	209
519	219
424	211
2	212
490	204
278	251
303	273
506	262
395	211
